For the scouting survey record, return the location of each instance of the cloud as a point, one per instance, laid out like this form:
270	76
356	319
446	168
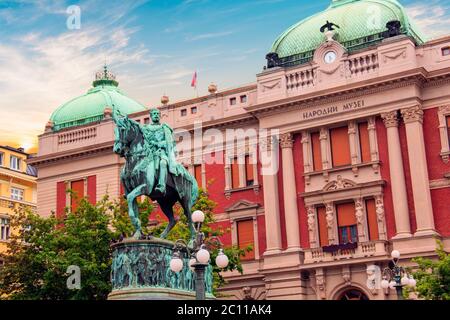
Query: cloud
205	36
432	18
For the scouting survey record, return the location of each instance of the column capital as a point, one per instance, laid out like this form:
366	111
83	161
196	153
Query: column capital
390	119
413	114
286	141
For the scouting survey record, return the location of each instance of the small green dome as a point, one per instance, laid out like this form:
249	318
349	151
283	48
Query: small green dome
361	22
90	107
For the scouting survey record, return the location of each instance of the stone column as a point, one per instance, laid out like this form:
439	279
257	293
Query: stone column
290	193
398	183
271	204
413	118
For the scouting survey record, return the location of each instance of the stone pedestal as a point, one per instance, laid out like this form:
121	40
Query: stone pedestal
141	271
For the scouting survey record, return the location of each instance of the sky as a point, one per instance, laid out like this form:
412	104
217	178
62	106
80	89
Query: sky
153	46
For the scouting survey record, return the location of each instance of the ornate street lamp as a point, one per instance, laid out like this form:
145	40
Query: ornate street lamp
199	255
396	277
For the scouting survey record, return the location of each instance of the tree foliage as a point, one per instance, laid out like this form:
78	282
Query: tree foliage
433	276
42	248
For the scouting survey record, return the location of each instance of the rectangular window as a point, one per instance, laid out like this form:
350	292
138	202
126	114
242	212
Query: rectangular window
15	163
323	229
17	194
147	121
194	110
249	178
347	223
446	51
372	220
233	101
447	119
246	238
183	112
340	147
364	142
77	188
4	229
243	99
316	151
235	174
198	174
1	158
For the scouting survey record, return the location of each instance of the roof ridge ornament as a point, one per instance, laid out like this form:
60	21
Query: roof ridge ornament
105	78
329	30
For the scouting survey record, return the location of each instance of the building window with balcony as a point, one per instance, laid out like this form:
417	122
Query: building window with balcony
246	238
446	51
372	220
15	163
4	229
322	226
316	151
17	194
340	147
233	101
347	225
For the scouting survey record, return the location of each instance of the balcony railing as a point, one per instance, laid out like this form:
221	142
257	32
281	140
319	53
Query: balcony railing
345	252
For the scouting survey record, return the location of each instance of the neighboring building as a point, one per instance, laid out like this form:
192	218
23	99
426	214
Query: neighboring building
364	117
17	188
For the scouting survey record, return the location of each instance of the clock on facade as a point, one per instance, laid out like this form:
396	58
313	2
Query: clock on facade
330	57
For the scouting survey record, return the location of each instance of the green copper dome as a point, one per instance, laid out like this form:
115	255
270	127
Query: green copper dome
90	107
361	22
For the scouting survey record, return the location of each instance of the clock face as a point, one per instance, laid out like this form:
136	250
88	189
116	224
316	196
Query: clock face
330	57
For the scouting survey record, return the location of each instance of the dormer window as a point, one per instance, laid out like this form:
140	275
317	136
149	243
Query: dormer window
15	163
446	51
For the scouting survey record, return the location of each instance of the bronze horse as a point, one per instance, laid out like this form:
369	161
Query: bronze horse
140	173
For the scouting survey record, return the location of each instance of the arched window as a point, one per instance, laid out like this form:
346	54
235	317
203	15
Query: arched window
353	294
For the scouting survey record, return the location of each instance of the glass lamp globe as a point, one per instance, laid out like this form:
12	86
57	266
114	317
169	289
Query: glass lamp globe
405	280
392	285
176	264
222	260
191	262
198	216
203	256
395	254
412	282
384	284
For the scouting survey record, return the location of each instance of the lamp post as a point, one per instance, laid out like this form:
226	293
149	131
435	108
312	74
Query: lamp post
396	277
199	256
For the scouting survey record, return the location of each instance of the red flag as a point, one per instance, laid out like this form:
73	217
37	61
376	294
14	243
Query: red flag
194	80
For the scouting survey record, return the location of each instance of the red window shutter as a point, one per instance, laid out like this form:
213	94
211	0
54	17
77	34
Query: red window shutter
372	220
364	142
246	238
60	199
249	171
316	151
346	214
340	146
122	189
77	188
198	174
235	174
92	189
323	229
448	127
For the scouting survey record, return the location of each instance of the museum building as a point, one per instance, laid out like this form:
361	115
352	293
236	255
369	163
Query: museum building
361	100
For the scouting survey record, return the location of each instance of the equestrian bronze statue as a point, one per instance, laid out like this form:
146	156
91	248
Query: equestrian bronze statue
151	169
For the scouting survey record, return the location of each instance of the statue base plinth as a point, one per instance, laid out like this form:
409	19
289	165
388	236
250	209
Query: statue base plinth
141	271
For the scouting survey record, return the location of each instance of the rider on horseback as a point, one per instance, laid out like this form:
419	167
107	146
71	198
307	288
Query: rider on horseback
159	139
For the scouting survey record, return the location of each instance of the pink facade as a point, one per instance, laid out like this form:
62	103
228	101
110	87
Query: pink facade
400	92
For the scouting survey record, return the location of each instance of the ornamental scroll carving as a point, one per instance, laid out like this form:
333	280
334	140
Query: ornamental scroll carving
339	184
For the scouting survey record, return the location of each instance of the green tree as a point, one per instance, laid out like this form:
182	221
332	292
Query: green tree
433	276
210	229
